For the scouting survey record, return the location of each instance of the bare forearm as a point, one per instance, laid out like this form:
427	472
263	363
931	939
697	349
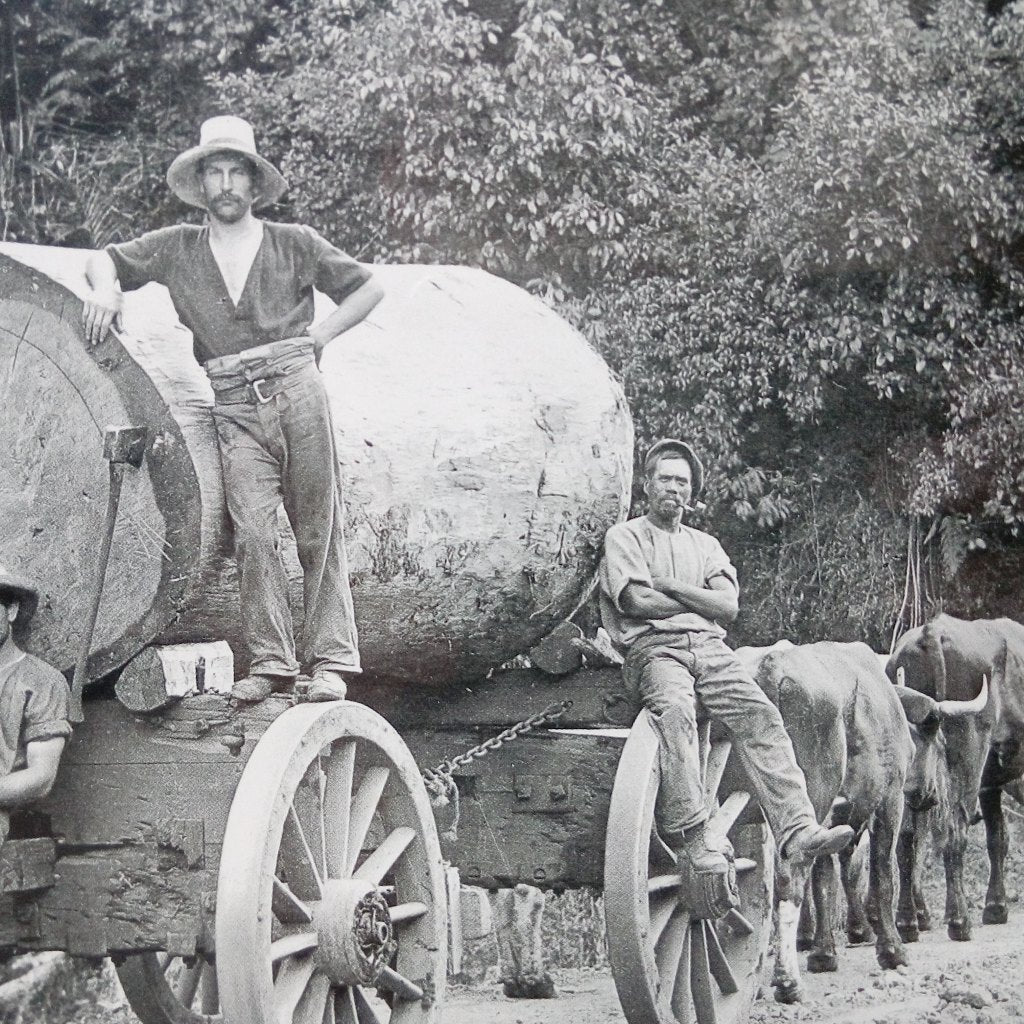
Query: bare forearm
102	308
351	311
24	785
100	272
719	605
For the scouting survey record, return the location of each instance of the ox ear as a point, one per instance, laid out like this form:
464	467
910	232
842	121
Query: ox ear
916	706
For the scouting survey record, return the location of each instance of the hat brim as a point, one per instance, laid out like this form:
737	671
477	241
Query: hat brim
25	592
184	183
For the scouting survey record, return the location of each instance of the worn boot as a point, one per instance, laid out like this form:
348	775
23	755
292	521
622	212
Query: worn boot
257	687
706	855
326	685
818	841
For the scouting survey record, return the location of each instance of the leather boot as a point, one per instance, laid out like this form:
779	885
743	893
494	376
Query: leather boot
706	856
818	841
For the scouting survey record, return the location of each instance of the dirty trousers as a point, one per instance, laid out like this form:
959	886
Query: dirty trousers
277	446
669	672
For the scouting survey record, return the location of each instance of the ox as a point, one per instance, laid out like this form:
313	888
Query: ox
950	659
853	743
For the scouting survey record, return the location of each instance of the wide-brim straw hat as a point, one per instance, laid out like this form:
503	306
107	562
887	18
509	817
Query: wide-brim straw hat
672	446
24	590
225	134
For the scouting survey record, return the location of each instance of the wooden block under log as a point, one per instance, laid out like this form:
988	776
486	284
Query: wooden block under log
160	674
26	864
556	654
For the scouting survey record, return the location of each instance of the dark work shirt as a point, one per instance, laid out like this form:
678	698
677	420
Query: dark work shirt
33	706
276	302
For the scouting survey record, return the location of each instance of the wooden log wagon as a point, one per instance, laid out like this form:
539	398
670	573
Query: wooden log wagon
282	863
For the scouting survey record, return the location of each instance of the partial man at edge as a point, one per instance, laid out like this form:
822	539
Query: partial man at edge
34	704
244	287
667	591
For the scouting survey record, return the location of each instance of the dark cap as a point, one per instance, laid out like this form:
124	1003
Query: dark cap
670	446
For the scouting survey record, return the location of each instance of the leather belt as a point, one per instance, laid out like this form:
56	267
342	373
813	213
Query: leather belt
254	392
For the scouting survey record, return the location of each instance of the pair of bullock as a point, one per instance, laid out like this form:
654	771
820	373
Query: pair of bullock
870	749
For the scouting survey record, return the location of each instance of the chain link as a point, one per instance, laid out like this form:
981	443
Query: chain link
550	714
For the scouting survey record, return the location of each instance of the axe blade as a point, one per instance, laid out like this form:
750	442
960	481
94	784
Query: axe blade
124	445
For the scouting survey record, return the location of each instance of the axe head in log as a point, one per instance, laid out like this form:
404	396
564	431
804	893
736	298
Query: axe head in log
125	445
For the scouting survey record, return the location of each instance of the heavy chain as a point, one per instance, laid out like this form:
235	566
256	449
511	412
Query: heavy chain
439	781
550	714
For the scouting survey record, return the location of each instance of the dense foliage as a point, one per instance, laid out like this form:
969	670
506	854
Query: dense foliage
793	229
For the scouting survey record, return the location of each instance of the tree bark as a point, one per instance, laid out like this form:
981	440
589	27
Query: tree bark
484	446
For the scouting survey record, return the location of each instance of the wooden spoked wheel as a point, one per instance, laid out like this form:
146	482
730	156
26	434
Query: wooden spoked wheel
671	964
331	904
165	989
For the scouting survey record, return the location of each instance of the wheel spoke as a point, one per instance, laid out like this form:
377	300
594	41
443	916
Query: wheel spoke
662	907
210	997
345	1007
364	803
406	912
668	952
399	984
331	1009
364	1012
336	799
725	817
660	883
292	978
187	984
300	834
700	977
321	779
679	992
293	945
738	923
717	759
313	1004
287	907
377	865
721	970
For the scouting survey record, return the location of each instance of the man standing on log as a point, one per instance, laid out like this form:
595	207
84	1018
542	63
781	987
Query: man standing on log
244	287
33	707
666	592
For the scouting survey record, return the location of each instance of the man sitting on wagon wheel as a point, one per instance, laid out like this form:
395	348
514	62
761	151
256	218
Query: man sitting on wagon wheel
244	287
33	706
667	591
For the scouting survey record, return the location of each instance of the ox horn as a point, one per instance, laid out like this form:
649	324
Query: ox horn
959	708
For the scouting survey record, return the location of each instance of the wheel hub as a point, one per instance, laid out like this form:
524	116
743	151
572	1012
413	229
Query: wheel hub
356	936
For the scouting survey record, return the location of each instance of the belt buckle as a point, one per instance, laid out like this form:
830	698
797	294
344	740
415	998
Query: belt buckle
260	397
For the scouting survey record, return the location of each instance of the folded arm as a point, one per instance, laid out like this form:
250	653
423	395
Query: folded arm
719	601
35	780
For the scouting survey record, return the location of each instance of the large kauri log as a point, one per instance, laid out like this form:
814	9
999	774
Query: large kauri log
484	446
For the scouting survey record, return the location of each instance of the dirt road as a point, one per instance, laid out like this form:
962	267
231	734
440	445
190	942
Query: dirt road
978	982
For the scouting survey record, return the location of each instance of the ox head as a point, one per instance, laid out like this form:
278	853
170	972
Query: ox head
925	715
